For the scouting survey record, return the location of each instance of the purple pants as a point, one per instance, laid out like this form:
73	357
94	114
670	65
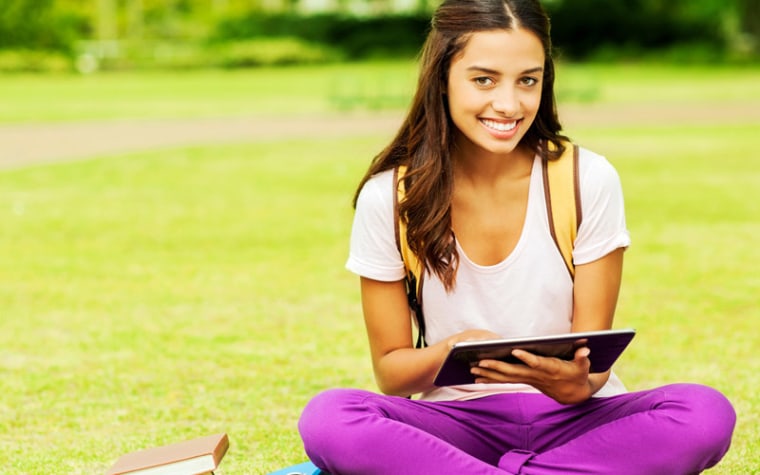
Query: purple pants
672	430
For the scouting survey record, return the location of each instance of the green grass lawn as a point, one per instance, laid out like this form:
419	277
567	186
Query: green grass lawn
214	93
154	297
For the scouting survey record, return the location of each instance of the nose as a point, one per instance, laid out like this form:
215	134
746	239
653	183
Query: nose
505	101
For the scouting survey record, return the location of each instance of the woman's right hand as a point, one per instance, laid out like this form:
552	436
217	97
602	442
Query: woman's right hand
471	335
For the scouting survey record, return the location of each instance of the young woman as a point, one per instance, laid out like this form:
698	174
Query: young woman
481	121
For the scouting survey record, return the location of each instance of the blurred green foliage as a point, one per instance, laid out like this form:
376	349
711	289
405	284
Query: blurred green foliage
358	37
32	61
38	35
40	25
633	25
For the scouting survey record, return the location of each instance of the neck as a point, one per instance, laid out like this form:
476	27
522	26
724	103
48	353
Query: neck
482	167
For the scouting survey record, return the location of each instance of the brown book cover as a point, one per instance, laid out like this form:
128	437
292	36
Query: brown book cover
191	457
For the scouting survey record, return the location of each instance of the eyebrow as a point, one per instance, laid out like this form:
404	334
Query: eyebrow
494	72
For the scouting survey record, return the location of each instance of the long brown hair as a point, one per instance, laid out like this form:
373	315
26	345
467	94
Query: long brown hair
425	140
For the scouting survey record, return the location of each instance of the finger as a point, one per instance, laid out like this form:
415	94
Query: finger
554	365
581	358
581	354
502	367
483	375
498	371
533	361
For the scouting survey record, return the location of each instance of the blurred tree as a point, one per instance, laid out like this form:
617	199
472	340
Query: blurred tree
750	20
39	24
219	7
135	19
582	27
107	20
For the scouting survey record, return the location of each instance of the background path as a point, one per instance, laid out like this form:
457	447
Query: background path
37	143
26	144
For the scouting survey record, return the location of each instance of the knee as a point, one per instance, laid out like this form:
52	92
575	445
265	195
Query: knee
711	417
323	420
318	414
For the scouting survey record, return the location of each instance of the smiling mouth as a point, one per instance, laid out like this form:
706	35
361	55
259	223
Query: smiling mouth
499	126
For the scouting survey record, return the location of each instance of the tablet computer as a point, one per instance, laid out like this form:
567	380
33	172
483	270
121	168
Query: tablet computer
605	345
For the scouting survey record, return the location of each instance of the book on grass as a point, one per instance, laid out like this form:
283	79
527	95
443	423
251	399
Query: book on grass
191	457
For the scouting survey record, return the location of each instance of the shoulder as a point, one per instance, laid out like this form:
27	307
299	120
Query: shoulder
377	192
596	173
603	227
373	252
592	163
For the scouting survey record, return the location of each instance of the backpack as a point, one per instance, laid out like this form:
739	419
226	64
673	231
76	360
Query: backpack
563	207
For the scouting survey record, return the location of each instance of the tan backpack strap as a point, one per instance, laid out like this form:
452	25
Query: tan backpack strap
414	274
397	195
563	201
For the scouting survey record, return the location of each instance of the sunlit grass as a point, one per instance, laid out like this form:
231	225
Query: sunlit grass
152	297
691	284
302	90
158	296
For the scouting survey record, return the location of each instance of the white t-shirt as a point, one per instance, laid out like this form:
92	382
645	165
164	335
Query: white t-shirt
529	293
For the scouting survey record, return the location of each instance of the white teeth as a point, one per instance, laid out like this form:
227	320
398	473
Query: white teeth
500	126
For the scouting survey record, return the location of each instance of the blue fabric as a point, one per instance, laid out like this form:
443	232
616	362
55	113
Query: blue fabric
306	468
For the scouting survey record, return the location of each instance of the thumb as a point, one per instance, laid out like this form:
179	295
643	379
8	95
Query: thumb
582	352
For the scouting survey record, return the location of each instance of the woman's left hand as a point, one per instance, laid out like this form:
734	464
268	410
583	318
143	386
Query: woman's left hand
567	382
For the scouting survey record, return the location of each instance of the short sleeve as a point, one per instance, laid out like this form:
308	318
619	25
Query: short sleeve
603	227
373	252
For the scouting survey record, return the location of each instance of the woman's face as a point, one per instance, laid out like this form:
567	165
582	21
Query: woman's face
494	89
